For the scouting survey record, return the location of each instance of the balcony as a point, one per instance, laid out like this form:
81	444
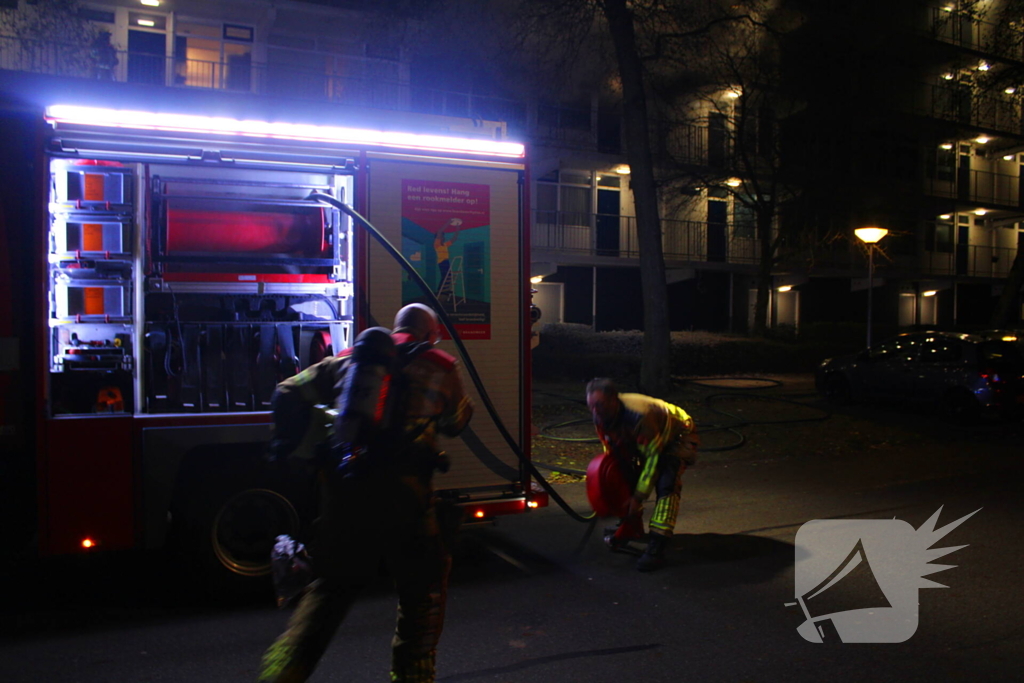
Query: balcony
375	88
978	187
969	260
995	38
582	236
949	260
963	105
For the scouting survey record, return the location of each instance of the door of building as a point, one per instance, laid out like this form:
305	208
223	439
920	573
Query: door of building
717	225
607	223
146	57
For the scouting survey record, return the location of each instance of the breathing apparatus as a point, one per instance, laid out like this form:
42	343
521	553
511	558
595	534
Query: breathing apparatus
365	404
470	368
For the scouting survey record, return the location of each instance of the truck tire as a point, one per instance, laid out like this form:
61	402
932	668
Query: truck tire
226	514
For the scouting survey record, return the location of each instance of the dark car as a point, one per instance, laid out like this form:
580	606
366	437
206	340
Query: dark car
965	376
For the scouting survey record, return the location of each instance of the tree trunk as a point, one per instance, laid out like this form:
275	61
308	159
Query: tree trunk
764	272
1005	313
654	365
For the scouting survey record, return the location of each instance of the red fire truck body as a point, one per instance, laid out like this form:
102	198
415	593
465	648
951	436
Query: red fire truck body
163	271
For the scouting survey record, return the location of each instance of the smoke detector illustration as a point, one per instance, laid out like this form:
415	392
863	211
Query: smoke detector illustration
856	580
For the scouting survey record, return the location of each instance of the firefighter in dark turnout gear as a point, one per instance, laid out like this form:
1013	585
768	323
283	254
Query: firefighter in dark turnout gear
658	440
383	511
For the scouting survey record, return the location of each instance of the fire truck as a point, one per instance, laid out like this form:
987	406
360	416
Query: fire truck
163	269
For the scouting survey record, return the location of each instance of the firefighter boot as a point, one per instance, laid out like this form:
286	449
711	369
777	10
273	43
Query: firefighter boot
654	557
630	528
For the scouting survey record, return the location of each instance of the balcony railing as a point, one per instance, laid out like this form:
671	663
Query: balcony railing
591	235
571	125
949	260
978	187
1002	38
969	260
967	106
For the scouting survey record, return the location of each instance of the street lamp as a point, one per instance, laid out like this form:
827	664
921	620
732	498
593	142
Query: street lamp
870	237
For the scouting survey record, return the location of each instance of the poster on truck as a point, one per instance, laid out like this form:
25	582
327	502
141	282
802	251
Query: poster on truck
446	236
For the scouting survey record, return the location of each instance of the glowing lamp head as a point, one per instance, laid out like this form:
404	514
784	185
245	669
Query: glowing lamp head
930	292
870	235
479	514
785	288
88	544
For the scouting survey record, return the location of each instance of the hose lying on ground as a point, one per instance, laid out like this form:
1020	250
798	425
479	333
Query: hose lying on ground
733	428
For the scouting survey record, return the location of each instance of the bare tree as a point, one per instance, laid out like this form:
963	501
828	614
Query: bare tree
601	45
721	115
49	36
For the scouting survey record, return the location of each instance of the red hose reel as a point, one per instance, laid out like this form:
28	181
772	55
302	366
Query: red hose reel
608	487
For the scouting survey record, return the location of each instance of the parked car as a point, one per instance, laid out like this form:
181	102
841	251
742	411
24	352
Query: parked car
965	376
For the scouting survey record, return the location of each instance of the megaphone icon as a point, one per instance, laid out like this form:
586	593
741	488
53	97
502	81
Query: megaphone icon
851	586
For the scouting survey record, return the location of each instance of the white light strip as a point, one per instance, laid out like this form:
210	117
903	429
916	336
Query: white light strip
188	123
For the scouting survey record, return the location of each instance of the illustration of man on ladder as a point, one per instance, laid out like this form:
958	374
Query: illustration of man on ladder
446	290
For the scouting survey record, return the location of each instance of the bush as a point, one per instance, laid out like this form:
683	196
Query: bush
575	352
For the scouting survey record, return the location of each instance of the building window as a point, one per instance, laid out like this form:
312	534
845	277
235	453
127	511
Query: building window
744	220
942	166
564	203
939	237
208	56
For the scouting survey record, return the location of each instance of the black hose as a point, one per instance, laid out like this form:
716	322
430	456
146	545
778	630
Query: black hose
823	414
733	428
446	321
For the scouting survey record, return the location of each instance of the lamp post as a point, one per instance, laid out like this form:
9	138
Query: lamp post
870	237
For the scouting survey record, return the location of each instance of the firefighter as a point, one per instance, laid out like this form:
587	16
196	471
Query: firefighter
384	510
659	441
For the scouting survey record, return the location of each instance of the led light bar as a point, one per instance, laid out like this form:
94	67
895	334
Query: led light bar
189	123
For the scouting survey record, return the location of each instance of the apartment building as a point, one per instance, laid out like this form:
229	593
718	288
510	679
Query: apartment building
912	124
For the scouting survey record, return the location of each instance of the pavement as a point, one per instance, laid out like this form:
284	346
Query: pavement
538	598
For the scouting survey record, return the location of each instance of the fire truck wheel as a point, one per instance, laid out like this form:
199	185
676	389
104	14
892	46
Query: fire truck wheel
224	527
244	528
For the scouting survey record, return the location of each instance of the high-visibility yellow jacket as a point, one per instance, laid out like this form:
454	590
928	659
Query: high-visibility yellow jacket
651	430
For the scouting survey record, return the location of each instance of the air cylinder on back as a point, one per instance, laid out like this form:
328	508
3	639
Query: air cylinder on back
364	390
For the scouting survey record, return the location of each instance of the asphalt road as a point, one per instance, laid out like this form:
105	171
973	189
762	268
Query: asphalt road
539	598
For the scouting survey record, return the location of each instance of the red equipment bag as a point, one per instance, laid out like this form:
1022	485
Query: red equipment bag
608	486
